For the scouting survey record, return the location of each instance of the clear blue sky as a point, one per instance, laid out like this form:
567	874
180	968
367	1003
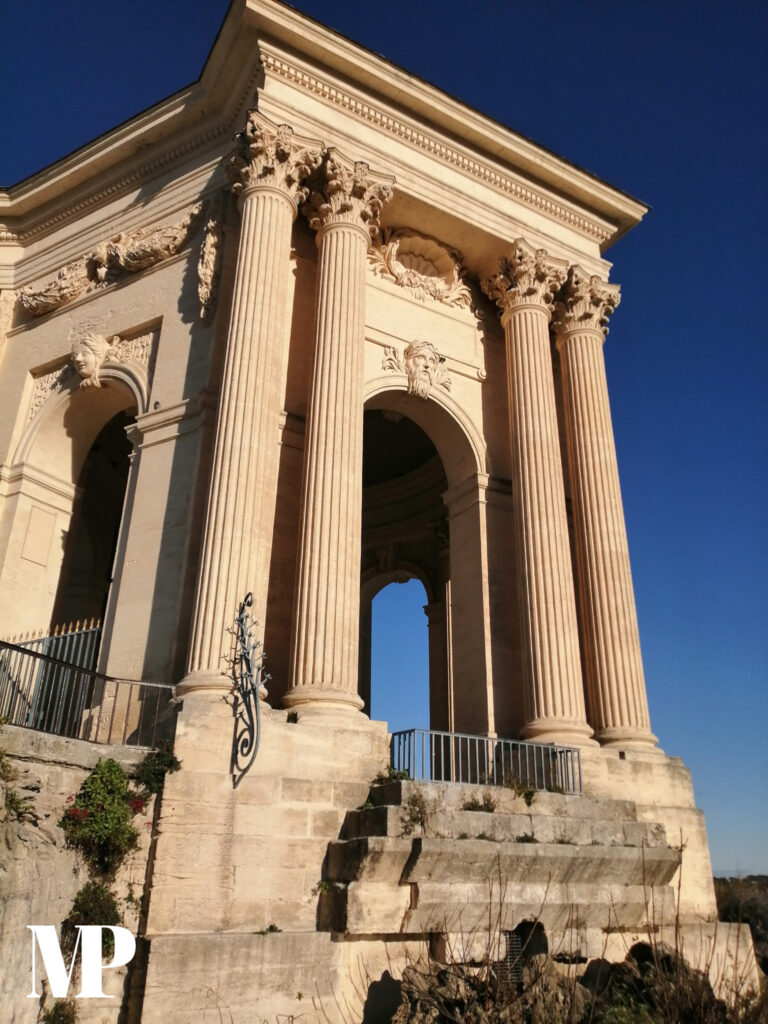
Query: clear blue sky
668	102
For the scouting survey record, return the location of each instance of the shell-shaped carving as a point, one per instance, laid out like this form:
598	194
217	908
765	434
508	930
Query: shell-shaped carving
425	256
426	267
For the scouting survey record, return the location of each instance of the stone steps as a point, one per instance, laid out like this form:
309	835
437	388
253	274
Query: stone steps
413	860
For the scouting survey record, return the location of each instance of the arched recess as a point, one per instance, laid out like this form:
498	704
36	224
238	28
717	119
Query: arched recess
44	487
373	580
423	517
460	446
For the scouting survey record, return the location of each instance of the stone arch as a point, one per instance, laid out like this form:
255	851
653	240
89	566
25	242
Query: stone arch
439	534
372	582
375	580
44	490
60	435
458	442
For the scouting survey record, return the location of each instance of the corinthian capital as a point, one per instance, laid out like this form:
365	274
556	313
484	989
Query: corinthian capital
585	302
348	193
526	276
271	154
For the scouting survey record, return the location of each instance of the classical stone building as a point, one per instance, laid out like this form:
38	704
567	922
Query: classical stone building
362	343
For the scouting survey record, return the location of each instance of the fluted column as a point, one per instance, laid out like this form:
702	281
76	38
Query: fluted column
344	209
524	291
616	697
268	169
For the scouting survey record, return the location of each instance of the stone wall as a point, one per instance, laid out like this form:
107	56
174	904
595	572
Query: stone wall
39	876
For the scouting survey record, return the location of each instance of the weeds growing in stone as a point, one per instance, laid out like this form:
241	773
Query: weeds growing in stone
95	903
98	820
151	771
16	807
62	1012
487	804
416	813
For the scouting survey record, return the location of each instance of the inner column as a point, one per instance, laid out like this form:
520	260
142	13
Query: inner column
524	291
616	695
344	209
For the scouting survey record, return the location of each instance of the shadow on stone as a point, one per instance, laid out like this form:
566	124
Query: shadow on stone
382	1001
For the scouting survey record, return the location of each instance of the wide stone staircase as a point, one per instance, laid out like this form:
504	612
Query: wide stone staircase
423	858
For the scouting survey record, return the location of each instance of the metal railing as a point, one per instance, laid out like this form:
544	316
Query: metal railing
432	756
76	643
54	696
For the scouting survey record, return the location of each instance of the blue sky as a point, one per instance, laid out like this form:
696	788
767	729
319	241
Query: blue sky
664	100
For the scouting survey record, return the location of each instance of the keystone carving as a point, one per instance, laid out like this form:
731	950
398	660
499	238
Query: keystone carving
270	154
426	267
128	252
586	302
88	354
91	351
347	192
526	276
422	364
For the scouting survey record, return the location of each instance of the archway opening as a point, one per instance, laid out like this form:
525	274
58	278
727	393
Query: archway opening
400	657
89	547
404	654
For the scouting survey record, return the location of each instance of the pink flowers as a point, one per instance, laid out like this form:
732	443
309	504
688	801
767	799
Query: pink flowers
78	813
137	804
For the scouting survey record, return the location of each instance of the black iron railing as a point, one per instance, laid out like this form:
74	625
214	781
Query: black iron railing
433	756
50	695
77	643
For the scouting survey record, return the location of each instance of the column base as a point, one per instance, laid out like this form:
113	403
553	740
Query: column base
204	682
628	738
320	700
211	683
564	732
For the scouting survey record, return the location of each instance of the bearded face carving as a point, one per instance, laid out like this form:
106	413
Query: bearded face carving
422	365
424	368
88	354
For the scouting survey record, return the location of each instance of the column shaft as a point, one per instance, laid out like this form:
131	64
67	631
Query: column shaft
236	543
343	207
554	694
616	696
325	661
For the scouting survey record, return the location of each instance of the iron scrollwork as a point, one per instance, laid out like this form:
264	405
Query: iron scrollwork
248	677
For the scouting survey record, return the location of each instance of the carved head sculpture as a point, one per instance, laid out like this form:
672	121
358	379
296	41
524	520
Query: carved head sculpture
88	354
422	366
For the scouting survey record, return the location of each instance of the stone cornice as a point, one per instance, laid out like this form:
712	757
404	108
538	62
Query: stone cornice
328	49
455	155
204	115
191	120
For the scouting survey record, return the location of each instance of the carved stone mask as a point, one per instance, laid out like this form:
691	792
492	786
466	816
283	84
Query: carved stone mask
88	354
422	363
